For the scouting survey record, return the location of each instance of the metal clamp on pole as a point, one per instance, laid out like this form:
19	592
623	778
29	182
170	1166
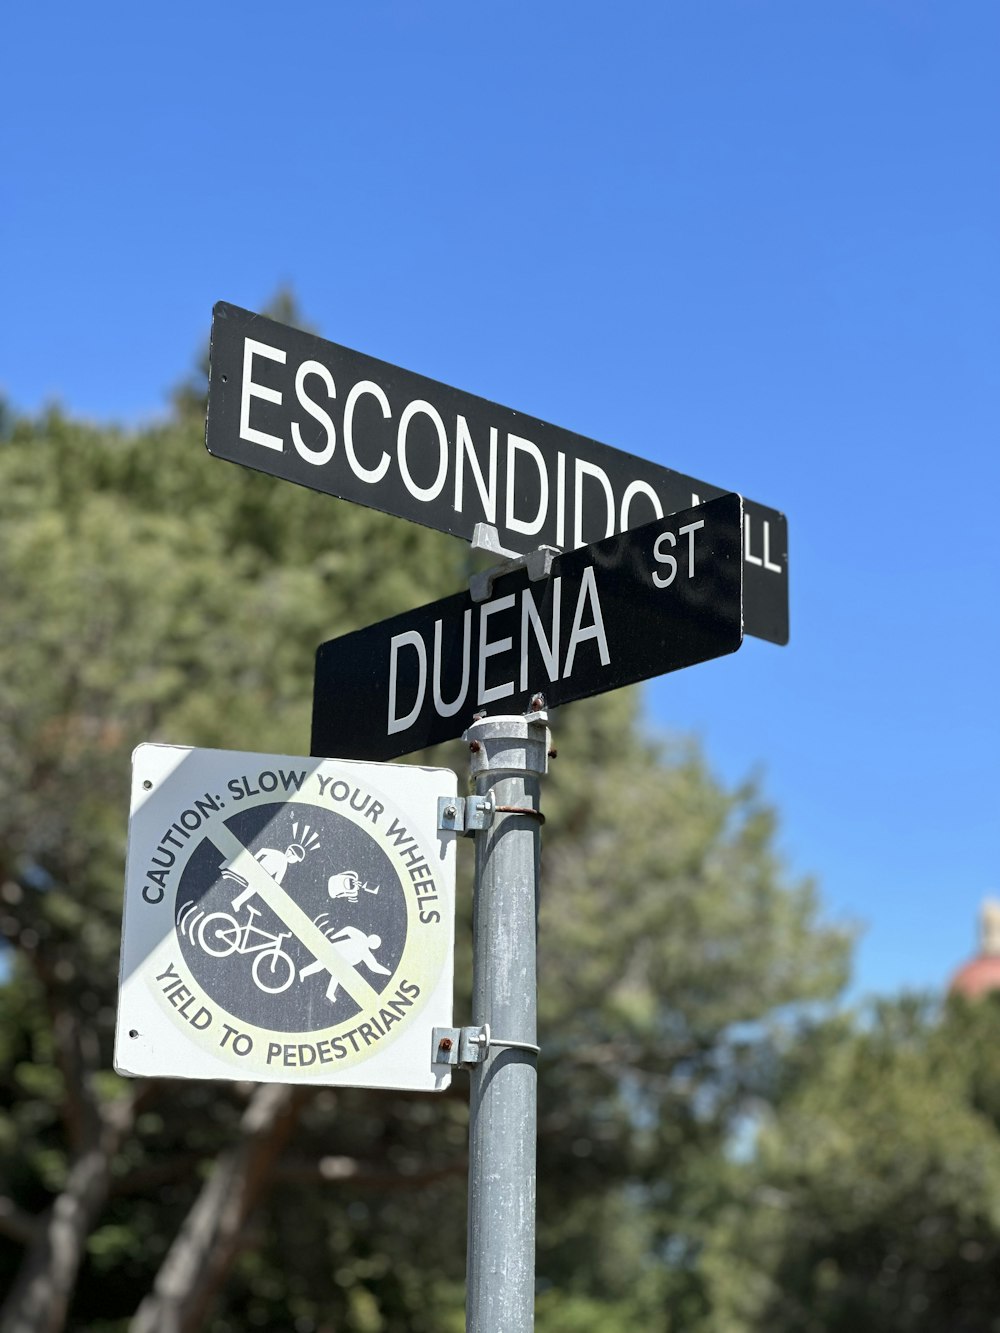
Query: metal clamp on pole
465	814
484	1039
466	1047
468	814
538	563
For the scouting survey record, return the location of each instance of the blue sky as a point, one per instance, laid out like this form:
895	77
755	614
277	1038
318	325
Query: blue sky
754	240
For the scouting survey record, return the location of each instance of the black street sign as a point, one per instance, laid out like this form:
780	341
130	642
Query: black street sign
656	598
299	407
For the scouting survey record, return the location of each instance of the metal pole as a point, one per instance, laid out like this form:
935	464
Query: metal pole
508	757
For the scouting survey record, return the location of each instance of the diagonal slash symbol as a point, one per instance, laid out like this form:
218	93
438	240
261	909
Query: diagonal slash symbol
284	906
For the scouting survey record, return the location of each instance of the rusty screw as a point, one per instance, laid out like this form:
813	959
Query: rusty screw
553	753
475	746
445	1044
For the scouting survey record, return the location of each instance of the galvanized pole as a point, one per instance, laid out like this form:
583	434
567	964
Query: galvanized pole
508	757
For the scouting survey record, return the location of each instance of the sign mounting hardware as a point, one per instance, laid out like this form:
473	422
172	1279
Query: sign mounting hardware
465	1047
537	563
311	411
465	814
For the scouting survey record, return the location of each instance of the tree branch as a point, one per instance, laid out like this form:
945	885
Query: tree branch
203	1252
40	1296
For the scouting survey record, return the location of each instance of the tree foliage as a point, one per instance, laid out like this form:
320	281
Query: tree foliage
152	593
872	1201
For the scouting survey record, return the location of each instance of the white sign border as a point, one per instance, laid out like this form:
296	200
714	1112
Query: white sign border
155	1039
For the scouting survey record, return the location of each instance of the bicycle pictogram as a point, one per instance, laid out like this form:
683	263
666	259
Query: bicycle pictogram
220	935
285	946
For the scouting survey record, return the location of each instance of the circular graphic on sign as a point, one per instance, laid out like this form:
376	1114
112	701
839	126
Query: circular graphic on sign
300	938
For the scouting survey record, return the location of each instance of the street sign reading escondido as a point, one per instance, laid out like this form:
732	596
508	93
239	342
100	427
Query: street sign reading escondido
650	600
286	920
296	406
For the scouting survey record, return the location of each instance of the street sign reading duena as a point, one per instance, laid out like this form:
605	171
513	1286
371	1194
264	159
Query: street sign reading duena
654	599
296	406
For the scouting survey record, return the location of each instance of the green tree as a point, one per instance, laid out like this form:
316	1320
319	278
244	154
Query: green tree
872	1201
152	593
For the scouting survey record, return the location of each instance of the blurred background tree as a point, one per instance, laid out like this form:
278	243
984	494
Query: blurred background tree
151	593
873	1199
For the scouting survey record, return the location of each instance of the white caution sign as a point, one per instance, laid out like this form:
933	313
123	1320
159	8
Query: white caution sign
286	920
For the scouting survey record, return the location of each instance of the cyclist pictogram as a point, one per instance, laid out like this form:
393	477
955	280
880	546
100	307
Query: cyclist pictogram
220	934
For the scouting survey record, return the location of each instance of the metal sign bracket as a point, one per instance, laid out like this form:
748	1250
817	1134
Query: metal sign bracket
466	1047
538	563
465	814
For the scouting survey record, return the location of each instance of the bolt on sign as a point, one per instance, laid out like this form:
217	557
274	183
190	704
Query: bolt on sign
651	600
299	407
286	920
